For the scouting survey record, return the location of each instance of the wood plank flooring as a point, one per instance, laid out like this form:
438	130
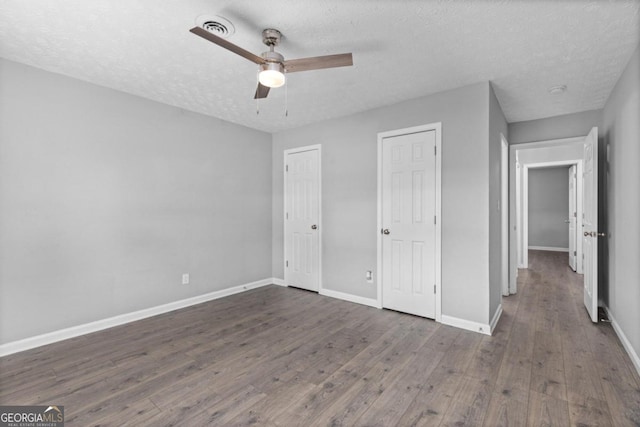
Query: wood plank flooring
285	357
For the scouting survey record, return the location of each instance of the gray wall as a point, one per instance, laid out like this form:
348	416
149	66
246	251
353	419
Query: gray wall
349	194
622	132
549	207
497	126
107	198
565	126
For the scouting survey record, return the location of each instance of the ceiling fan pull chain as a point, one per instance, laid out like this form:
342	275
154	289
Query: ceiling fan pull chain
257	106
286	100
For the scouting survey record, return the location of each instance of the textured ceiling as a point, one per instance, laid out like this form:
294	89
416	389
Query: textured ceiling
401	50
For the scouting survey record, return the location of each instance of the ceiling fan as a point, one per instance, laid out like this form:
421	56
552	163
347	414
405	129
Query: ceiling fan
272	64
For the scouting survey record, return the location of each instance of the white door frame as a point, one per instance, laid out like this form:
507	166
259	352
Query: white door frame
504	212
437	127
317	147
525	205
573	213
518	257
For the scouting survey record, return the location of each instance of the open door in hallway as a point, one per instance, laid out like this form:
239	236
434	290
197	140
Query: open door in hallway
590	232
573	218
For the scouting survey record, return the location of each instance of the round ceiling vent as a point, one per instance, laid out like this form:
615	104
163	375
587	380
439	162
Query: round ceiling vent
217	25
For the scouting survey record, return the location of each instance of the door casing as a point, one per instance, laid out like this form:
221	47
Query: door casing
573	217
504	214
518	203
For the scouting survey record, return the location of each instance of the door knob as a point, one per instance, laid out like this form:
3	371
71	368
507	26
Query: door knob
314	227
386	231
587	234
567	221
600	234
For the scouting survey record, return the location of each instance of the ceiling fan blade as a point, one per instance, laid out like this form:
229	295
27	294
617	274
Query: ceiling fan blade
318	62
262	91
227	45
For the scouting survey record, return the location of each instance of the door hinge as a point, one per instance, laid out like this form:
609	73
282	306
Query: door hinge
575	253
287	215
286	168
286	263
434	220
434	288
435	150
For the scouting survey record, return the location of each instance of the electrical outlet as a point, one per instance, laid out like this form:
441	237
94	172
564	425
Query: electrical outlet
185	279
369	276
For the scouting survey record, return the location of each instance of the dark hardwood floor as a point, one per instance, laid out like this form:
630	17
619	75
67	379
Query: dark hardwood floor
285	357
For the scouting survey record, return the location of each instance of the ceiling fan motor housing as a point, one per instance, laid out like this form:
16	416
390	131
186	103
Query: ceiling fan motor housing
271	37
273	57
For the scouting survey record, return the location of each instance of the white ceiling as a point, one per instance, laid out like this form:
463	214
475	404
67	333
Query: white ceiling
401	50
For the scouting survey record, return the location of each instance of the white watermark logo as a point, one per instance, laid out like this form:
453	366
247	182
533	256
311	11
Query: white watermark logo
32	416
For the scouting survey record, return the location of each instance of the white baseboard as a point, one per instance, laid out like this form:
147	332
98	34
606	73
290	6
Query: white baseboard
351	298
496	318
98	325
482	328
276	281
548	248
625	341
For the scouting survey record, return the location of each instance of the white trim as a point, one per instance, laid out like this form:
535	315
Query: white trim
504	215
625	341
548	248
496	319
317	147
551	164
350	298
437	127
518	212
525	215
483	328
524	200
379	227
525	203
579	215
279	282
547	143
99	325
515	227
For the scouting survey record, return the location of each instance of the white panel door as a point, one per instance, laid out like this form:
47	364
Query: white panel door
302	206
573	217
590	224
408	216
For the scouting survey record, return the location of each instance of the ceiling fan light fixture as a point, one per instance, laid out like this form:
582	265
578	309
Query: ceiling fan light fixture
271	74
